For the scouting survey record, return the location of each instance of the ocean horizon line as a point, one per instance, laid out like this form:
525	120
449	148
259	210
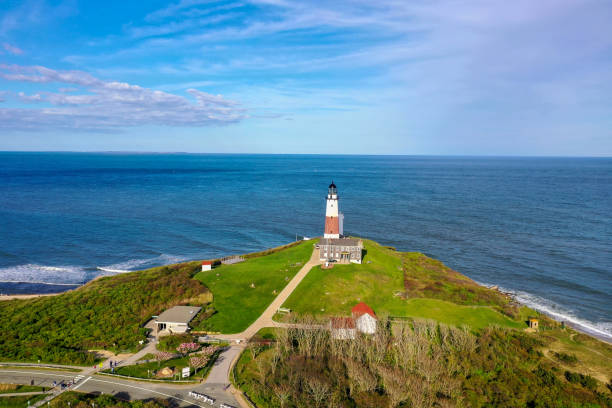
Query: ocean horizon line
420	155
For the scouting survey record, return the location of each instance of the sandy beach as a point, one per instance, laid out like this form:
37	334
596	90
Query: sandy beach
11	297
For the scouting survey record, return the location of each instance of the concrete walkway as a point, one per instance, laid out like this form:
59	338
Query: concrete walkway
19	394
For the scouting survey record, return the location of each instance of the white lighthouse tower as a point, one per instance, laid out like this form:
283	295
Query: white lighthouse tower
334	219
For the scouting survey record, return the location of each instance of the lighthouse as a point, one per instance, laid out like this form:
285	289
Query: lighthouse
334	219
334	247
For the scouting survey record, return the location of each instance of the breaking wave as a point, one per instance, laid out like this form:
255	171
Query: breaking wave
138	264
43	274
77	275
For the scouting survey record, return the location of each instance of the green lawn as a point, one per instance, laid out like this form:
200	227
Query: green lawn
21	401
237	304
13	388
451	313
379	281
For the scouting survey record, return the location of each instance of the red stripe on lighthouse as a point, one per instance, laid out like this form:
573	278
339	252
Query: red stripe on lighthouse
332	225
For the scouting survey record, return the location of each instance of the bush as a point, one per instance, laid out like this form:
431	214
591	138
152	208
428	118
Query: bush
585	380
170	343
566	358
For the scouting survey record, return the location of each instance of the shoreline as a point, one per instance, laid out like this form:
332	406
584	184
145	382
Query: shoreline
30	296
577	326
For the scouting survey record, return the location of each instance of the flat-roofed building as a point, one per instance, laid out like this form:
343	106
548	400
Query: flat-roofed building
176	319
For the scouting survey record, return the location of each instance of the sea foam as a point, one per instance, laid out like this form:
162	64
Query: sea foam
138	264
43	274
559	313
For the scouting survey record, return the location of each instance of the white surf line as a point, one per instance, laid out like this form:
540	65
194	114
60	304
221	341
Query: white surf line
81	383
147	390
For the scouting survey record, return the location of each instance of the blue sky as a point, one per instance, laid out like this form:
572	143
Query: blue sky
274	76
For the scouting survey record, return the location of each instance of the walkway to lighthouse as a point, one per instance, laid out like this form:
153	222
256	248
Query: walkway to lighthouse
217	382
265	320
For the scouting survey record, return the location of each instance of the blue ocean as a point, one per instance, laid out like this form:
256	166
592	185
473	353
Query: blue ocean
540	228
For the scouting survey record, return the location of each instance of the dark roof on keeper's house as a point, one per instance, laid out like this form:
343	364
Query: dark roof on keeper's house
340	241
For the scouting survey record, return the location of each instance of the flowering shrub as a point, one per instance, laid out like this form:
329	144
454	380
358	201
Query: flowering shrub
185	348
163	356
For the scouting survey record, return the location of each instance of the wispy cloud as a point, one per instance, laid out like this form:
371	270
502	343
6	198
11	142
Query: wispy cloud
105	105
12	49
33	12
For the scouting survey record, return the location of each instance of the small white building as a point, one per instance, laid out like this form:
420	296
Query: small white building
206	266
176	319
342	328
365	318
362	320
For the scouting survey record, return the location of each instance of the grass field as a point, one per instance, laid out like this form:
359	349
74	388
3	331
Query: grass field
594	357
13	388
236	303
20	401
402	285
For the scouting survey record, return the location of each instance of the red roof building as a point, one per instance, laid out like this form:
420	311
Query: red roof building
360	309
342	323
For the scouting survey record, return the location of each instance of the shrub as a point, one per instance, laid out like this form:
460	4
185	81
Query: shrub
171	342
566	358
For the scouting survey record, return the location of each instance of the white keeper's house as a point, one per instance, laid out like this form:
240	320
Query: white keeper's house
334	247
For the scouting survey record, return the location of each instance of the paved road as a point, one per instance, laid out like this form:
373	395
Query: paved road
120	388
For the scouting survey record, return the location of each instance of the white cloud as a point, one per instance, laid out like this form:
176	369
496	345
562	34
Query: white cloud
105	105
12	49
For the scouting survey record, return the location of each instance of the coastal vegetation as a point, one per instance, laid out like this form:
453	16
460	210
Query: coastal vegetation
403	284
108	313
242	291
418	363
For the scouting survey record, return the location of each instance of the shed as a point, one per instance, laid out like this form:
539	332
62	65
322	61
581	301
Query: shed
365	318
342	328
206	266
176	319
